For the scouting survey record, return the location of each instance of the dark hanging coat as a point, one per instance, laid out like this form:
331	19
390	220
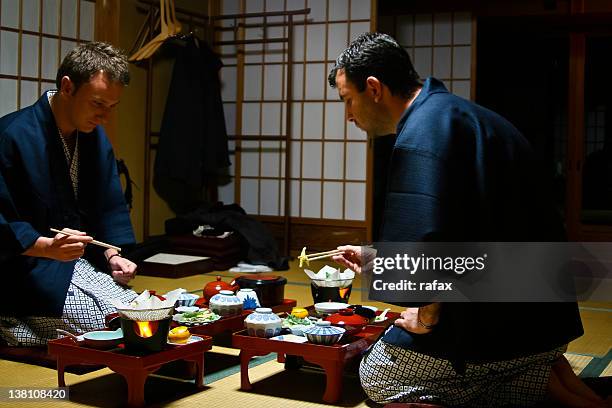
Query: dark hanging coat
193	139
36	194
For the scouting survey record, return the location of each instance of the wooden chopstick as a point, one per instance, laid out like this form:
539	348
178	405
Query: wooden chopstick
99	243
333	251
321	255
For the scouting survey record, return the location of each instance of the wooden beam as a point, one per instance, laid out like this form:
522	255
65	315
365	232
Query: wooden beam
107	30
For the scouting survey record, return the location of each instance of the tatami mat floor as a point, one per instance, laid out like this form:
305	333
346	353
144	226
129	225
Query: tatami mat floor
591	355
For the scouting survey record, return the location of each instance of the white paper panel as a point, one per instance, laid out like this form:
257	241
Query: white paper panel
315	42
311	199
337	38
67	46
332	200
69	18
252	83
296	120
271	119
250	118
442	29
274	51
253	52
462	62
358	29
50	16
29	93
356	162
338	10
315	81
29	56
226	192
249	196
311	159
423	29
462	28
270	191
313	120
254	6
49	58
296	5
231	145
273	82
9	43
249	165
297	83
462	89
229	111
354	133
29	19
10	13
228	83
44	87
422	61
296	159
8	96
298	49
275	5
405	30
88	19
318	10
296	194
354	204
360	9
283	128
442	62
230	7
333	165
334	120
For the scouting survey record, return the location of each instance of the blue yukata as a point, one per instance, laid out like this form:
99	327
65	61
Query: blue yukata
460	172
37	193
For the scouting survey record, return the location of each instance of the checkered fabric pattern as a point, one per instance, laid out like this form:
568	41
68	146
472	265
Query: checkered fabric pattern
87	303
393	374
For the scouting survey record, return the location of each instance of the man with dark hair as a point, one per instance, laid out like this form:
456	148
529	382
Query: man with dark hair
458	172
58	170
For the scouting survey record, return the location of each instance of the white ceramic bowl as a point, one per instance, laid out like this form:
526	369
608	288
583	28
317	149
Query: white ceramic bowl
187	309
187	299
325	308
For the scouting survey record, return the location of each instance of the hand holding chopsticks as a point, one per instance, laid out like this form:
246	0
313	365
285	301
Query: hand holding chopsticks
99	243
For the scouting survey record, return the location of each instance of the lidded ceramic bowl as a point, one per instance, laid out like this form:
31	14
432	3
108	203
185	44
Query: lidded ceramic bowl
225	303
323	333
263	323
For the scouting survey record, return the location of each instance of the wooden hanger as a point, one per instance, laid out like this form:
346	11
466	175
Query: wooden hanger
169	27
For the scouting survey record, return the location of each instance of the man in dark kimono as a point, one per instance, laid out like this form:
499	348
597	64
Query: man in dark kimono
58	170
458	172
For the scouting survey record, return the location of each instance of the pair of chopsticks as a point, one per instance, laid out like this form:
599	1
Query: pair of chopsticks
99	243
303	258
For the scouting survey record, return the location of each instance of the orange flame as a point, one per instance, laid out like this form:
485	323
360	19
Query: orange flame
343	291
144	329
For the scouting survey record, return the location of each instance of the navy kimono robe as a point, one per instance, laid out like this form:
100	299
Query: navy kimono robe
36	194
460	172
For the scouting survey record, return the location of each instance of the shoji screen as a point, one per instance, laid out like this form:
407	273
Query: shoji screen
440	45
34	37
328	156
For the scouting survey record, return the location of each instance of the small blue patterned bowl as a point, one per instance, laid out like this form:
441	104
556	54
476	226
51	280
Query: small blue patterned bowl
323	333
187	299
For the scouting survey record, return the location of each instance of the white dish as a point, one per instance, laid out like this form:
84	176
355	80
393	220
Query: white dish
179	319
329	307
192	339
187	309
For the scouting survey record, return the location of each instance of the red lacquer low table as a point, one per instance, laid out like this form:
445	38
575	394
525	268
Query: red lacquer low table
331	358
235	323
134	368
